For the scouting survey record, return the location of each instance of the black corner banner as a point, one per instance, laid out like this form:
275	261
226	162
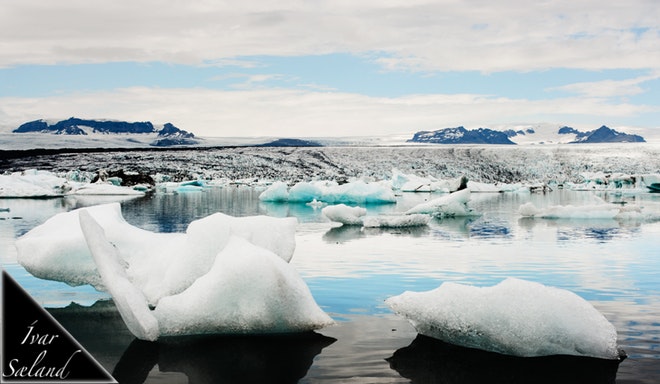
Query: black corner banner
36	348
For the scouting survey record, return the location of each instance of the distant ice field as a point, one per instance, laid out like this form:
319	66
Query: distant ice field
490	164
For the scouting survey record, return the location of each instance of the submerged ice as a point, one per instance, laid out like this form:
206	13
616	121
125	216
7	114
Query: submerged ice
222	268
515	317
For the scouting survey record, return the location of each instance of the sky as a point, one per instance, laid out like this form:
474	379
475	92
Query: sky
317	68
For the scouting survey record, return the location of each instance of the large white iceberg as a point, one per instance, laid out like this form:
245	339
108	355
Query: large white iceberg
160	264
454	204
356	192
248	289
515	317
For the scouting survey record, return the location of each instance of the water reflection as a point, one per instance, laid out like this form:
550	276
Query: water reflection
224	359
344	233
427	360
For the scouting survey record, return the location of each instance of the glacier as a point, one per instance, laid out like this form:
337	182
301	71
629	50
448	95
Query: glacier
515	317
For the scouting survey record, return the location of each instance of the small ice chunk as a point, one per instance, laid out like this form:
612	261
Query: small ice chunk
396	221
105	189
130	301
344	214
248	290
515	317
452	205
589	211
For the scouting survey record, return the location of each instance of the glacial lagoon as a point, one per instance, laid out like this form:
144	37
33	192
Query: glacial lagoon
351	270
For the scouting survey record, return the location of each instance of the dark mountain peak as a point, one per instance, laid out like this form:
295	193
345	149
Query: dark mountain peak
605	134
291	143
167	136
460	135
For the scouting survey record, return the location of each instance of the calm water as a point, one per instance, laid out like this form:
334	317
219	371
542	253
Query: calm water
351	271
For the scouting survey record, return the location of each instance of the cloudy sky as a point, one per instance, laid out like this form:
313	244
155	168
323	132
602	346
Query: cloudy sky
332	68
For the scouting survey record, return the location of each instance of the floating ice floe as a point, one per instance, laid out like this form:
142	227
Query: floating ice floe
515	317
346	215
159	264
33	183
599	210
356	192
181	187
396	221
413	183
43	184
451	205
248	289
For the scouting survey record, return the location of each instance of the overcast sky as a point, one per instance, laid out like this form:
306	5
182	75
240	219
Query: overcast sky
329	68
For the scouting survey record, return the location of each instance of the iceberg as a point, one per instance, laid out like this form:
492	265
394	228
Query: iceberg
396	221
344	214
278	192
357	216
356	192
592	211
414	183
33	184
160	264
452	205
515	317
248	290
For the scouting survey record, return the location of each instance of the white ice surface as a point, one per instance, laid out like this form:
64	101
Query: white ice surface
451	205
344	214
130	301
248	290
515	317
355	192
159	264
396	221
35	183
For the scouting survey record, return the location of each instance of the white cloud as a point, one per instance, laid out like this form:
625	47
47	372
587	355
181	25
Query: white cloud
609	88
309	113
425	35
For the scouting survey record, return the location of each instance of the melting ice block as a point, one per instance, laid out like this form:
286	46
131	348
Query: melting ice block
160	264
249	289
344	214
515	317
130	301
452	205
396	221
590	211
356	192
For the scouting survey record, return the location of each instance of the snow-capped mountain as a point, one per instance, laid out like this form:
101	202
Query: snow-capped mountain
541	134
460	135
168	135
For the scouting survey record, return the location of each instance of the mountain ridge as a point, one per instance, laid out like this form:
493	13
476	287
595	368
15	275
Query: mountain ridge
461	135
167	136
